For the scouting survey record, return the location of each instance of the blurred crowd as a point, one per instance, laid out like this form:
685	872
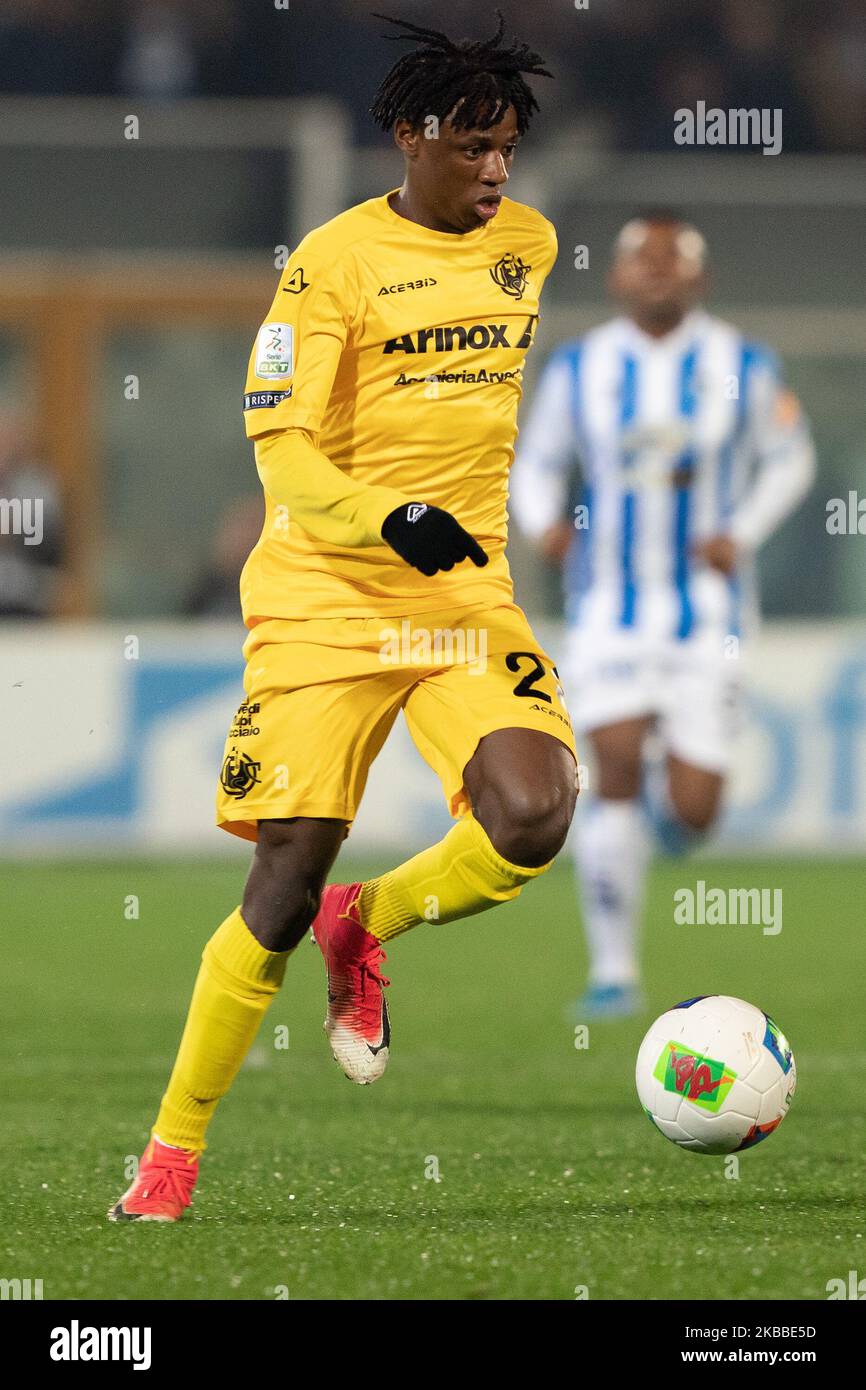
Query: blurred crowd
33	540
622	66
31	526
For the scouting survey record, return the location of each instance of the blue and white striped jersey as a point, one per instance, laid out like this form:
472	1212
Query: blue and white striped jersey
676	439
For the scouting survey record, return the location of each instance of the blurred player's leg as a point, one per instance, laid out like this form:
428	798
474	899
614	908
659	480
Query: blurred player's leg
681	801
612	855
698	726
695	793
612	850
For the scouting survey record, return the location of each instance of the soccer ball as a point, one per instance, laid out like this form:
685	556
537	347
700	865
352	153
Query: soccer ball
715	1074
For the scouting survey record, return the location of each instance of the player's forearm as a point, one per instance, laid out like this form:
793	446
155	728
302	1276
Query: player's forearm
318	495
538	498
779	488
545	461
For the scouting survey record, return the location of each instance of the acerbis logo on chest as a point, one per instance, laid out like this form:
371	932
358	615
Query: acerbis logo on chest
408	285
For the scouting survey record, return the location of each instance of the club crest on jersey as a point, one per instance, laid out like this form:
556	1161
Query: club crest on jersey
510	274
275	351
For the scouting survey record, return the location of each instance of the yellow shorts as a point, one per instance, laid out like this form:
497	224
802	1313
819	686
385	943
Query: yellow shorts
322	695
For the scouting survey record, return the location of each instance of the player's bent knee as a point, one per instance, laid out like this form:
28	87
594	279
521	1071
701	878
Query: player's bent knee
280	919
531	828
285	881
281	899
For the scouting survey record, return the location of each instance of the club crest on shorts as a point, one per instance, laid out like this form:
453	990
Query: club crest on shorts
239	774
510	274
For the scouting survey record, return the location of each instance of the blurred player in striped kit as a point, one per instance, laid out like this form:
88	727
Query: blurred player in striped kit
691	452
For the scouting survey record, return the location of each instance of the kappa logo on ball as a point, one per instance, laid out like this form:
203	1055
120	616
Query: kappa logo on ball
275	350
699	1079
705	1105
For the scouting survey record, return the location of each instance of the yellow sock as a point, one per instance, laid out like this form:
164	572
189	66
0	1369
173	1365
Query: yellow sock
460	876
237	980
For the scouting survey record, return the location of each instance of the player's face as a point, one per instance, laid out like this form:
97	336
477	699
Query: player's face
460	175
657	273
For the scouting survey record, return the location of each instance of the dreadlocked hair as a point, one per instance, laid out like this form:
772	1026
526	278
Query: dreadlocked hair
476	79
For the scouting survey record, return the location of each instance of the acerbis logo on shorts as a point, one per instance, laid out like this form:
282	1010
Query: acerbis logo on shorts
239	774
554	713
265	400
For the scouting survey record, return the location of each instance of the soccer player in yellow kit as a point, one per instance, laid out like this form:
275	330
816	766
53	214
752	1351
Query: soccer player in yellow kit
382	397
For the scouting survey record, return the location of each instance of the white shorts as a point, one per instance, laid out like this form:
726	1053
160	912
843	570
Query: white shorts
692	688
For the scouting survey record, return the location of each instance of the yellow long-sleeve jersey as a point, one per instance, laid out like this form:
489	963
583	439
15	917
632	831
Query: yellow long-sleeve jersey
389	370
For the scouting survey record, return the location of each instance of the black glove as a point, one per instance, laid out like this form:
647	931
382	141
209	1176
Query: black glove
430	539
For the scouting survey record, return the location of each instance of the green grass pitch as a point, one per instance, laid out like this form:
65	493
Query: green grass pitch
551	1178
